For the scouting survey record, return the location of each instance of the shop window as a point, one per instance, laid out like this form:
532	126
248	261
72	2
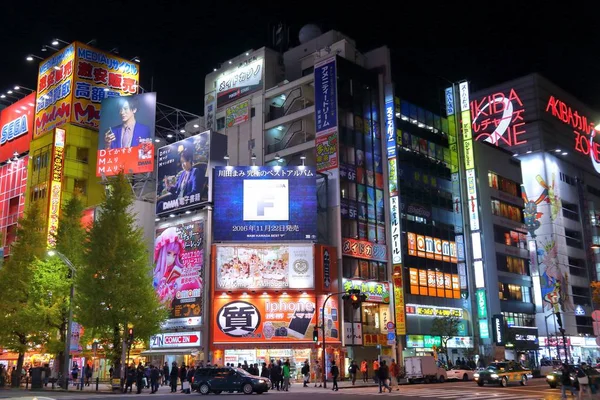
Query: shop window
13	205
370	318
493	180
505	210
434	283
38	192
82	154
80	186
593	190
221	123
518	319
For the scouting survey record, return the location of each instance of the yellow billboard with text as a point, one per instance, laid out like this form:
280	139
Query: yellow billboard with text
56	176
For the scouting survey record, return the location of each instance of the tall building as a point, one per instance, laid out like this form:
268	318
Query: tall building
552	134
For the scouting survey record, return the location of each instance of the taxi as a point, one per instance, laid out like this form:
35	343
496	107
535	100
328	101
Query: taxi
503	373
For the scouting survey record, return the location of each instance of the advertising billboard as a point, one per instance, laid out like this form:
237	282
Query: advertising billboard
99	75
16	127
176	340
210	111
54	91
265	203
332	319
178	272
264	267
240	81
126	135
56	177
281	319
326	115
237	113
182	177
376	292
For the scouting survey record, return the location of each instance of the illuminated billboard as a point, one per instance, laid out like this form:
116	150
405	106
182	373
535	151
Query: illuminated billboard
431	247
16	127
240	81
56	177
179	270
126	135
264	267
265	203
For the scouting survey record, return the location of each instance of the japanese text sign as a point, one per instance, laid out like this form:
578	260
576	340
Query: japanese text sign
327	151
16	125
325	96
237	114
56	177
377	292
395	230
240	81
399	306
481	303
433	311
363	249
498	119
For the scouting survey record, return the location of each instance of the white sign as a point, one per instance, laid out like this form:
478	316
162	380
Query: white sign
471	188
460	342
172	340
473	213
266	200
476	242
246	75
479	278
395	225
353	333
464	96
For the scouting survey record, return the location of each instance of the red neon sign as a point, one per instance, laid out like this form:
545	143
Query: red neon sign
498	119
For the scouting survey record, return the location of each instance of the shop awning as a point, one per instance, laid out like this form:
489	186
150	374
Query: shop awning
157	352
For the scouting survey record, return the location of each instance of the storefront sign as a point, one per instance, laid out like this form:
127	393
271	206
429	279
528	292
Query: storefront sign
264	267
237	114
432	248
240	81
353	334
325	96
499	119
395	230
363	249
484	330
174	340
377	292
434	283
210	111
423	341
498	329
433	311
257	318
481	303
16	127
449	101
479	275
399	305
56	185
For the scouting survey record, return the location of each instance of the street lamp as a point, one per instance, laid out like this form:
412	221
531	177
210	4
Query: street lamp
64	259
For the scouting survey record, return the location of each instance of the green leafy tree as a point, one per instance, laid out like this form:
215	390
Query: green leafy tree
21	324
445	327
114	286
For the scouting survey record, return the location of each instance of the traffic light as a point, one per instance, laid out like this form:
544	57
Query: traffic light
315	335
558	319
355	297
130	335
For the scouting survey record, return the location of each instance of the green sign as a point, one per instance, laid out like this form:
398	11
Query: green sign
430	341
484	331
377	292
481	303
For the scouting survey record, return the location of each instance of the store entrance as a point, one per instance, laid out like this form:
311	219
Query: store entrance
297	357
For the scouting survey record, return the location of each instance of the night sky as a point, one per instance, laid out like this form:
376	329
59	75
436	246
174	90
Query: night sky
179	42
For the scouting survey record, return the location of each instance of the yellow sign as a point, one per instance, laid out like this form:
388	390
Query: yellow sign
469	157
56	185
466	124
399	306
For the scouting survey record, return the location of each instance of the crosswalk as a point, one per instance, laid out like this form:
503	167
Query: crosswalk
451	394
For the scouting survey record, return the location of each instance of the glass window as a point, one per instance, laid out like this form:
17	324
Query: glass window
351	269
80	186
82	154
221	123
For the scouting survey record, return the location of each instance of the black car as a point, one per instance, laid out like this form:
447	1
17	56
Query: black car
217	380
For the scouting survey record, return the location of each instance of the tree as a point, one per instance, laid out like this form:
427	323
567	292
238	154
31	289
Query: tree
595	293
445	327
114	285
20	317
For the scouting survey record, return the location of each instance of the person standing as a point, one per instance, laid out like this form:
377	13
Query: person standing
364	369
154	379
353	369
384	374
130	378
335	372
394	372
182	375
165	374
306	373
139	378
274	377
265	373
286	375
173	377
318	374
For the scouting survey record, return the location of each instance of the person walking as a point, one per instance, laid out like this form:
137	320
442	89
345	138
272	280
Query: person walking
364	369
276	375
286	376
566	382
306	373
173	377
335	372
394	372
384	375
182	375
154	379
139	378
353	369
165	374
318	374
130	379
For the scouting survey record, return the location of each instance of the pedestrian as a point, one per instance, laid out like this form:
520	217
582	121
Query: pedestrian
174	374
154	379
375	370
394	372
245	366
139	378
2	375
286	375
335	372
353	369
318	374
182	375
75	373
384	375
165	374
273	372
47	373
130	379
265	373
566	382
364	369
190	375
306	373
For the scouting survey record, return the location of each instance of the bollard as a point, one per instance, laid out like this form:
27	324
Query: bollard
97	382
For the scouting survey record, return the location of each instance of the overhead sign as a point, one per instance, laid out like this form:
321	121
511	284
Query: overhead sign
363	249
175	340
377	292
264	267
265	204
395	230
16	127
240	81
58	157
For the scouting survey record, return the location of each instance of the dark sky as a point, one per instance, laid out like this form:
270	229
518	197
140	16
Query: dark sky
178	42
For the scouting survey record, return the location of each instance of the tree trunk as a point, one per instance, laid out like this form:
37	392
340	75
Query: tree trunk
16	375
116	352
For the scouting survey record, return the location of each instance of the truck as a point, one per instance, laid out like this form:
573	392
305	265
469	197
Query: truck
424	368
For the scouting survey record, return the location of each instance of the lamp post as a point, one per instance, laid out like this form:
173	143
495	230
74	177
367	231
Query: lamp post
68	262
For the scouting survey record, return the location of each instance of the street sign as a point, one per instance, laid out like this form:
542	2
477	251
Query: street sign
596	315
390	326
391	338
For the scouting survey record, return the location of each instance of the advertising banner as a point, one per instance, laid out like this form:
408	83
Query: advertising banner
16	127
182	175
285	319
432	248
54	91
265	203
264	267
175	340
237	114
178	272
433	311
377	292
240	81
126	135
327	151
399	305
326	267
481	303
363	249
210	111
56	177
325	96
99	75
395	230
332	319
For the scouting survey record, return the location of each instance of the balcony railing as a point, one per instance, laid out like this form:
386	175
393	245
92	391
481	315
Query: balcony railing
295	101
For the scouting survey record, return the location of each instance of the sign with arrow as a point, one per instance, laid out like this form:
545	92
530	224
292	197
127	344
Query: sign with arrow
172	340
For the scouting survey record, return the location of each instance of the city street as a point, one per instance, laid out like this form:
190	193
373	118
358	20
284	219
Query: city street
536	389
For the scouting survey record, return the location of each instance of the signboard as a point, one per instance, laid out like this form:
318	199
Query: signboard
433	311
325	96
16	127
178	275
498	329
484	330
99	75
434	283
326	146
481	300
126	135
54	91
363	249
182	174
210	111
377	292
449	96
252	319
353	334
332	319
240	81
423	341
498	118
390	126
430	247
175	340
264	267
58	157
399	307
237	114
395	230
326	267
265	204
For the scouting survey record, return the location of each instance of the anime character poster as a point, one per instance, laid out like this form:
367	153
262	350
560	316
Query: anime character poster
179	269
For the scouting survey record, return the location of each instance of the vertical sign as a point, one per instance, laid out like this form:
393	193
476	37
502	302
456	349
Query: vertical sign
326	115
58	156
395	227
498	329
481	303
210	111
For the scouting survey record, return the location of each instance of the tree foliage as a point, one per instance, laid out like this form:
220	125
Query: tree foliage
114	285
596	293
445	327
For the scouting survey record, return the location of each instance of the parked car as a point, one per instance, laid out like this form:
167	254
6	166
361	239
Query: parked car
460	373
503	373
217	380
553	379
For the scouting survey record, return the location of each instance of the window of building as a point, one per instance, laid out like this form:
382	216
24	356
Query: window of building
509	237
573	238
570	211
80	185
577	267
506	210
38	192
13	205
593	190
518	319
569	180
502	184
82	154
221	123
581	295
507	291
434	283
354	268
40	160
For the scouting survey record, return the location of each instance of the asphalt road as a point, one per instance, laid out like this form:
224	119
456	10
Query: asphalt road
536	389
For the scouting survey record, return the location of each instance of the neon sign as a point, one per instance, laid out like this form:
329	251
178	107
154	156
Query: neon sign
56	185
498	118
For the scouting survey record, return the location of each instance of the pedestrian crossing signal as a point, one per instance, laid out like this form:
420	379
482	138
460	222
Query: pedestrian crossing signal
315	335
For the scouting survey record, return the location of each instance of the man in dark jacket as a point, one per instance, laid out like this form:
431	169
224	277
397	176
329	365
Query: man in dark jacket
183	375
276	374
335	373
306	373
173	377
265	373
165	374
384	375
139	378
130	378
154	377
